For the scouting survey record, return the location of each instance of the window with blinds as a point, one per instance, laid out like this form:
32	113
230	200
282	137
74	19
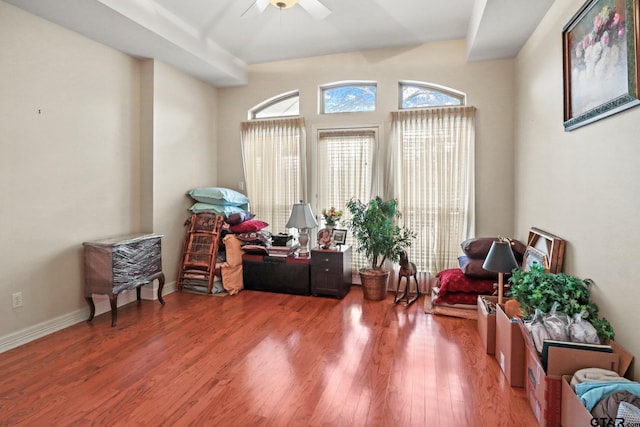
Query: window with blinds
345	170
434	181
274	156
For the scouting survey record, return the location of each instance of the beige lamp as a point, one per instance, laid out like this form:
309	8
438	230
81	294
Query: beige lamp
500	260
302	218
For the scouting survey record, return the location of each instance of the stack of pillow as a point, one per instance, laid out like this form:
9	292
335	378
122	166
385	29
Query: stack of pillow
232	205
463	285
475	252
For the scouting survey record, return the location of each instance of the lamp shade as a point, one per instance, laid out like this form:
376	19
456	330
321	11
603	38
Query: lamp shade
500	258
301	216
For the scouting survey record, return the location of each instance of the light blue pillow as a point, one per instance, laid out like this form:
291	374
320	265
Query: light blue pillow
218	196
224	210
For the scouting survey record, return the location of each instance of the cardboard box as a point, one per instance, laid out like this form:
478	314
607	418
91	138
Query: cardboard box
544	387
543	392
573	412
509	348
487	324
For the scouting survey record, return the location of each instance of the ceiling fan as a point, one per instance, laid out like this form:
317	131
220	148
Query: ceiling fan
314	7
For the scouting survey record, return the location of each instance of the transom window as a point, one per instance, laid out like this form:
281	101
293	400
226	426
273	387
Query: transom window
283	105
421	95
348	97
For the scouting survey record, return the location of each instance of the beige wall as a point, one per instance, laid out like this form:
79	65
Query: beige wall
184	155
489	86
93	144
581	185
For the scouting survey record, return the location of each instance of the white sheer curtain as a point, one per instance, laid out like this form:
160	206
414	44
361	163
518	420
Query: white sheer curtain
345	170
432	174
274	158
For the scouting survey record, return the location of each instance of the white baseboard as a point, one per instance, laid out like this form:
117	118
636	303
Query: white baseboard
18	338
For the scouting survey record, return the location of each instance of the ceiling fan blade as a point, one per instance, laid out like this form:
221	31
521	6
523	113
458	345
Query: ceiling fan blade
261	5
315	8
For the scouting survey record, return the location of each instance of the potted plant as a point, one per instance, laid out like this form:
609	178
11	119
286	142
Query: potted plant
379	238
539	289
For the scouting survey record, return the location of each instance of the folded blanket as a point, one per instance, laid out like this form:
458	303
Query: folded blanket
608	406
594	375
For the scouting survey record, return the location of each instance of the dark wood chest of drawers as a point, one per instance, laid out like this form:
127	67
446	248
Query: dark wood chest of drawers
331	271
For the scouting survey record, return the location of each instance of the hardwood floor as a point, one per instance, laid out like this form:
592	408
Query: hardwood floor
260	358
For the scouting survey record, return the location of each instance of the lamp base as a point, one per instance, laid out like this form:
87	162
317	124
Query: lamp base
303	239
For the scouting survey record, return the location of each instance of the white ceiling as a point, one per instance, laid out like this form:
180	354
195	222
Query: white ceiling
211	40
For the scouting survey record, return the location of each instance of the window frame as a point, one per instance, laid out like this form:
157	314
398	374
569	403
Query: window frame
343	84
453	93
256	109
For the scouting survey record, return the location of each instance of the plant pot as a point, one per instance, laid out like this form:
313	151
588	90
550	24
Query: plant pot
374	283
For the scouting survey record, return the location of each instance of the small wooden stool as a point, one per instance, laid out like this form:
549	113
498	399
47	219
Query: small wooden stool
407	270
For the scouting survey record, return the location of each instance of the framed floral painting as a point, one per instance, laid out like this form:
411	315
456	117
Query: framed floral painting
600	61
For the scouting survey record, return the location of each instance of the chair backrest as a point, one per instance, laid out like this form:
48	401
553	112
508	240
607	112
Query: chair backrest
205	222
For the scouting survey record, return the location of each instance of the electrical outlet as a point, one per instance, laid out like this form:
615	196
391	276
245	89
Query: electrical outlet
16	298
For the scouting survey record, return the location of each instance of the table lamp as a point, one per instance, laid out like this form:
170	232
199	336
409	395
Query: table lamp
500	260
302	218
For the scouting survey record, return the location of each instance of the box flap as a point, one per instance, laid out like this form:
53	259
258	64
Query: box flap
625	358
566	361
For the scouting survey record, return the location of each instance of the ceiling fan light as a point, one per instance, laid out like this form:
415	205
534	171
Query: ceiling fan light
283	4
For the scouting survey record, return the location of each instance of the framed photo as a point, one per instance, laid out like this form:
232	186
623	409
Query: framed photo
550	245
339	236
324	238
534	256
600	61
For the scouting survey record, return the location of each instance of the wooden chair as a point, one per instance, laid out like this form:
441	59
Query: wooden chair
200	250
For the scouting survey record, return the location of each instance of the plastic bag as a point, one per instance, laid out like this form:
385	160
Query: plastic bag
557	324
581	330
537	329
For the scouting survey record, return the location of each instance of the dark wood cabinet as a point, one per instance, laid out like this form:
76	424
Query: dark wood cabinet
331	271
289	275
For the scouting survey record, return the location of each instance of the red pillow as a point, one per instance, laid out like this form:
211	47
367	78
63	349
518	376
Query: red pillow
457	298
249	226
454	280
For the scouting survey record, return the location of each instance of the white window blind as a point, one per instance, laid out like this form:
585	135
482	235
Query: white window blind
433	180
274	157
345	170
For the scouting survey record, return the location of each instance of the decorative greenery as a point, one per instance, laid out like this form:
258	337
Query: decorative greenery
604	329
538	289
374	227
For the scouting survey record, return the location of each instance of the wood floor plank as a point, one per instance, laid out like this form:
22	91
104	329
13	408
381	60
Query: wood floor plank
264	359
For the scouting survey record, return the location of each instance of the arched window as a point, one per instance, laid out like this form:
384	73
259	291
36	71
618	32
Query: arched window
420	95
348	97
283	105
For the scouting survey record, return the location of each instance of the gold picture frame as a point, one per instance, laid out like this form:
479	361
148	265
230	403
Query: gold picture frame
600	61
